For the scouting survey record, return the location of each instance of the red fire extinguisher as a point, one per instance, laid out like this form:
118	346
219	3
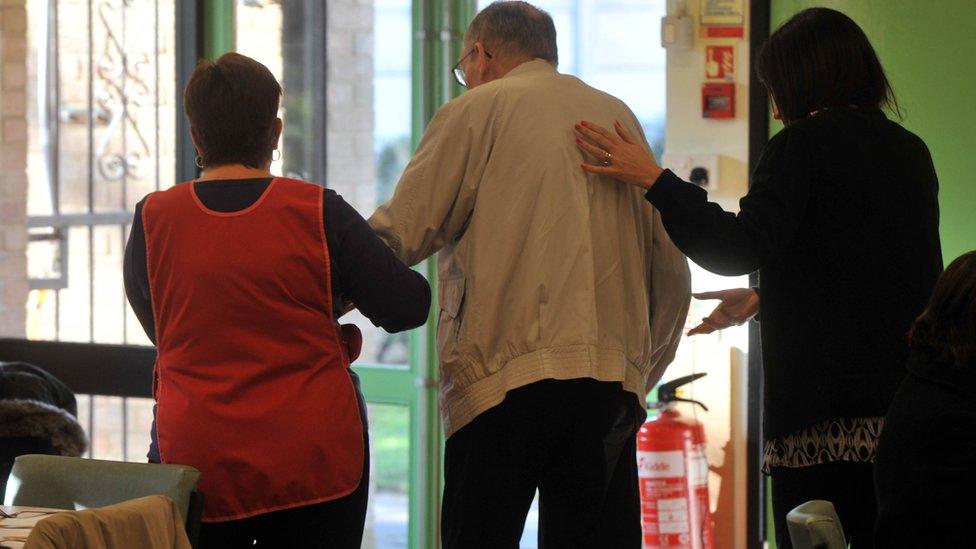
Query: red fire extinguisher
673	475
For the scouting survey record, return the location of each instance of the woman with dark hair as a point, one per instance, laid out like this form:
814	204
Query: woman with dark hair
239	278
925	475
841	221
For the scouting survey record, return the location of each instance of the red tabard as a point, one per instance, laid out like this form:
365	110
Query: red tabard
252	374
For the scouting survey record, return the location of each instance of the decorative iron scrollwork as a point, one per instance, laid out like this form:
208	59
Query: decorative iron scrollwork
121	90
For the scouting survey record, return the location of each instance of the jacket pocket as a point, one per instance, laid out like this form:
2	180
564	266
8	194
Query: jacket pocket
451	297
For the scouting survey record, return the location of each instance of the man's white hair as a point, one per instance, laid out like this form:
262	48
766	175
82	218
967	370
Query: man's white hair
514	28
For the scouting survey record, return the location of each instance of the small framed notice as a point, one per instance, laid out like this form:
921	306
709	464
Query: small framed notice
723	18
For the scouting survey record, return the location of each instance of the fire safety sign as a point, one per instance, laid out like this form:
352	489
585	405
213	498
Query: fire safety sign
720	63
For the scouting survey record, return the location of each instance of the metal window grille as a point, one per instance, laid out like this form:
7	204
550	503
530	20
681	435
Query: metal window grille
105	116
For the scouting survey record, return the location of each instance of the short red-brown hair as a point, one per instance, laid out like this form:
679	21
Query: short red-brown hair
232	105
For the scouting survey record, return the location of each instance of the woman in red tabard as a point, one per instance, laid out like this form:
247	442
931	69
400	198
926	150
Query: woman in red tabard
239	277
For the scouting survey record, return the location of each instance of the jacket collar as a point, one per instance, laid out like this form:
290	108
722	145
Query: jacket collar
530	67
955	379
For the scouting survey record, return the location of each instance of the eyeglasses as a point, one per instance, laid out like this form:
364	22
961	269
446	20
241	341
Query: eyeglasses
459	70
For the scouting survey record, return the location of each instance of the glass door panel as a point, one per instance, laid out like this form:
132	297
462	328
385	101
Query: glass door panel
289	39
387	520
383	150
346	77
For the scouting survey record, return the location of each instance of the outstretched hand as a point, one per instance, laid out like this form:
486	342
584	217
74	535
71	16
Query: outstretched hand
618	155
737	307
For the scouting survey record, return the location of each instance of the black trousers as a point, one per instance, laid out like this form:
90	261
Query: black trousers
848	485
572	440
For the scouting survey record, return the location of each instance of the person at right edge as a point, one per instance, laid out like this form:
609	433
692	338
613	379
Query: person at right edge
924	475
842	223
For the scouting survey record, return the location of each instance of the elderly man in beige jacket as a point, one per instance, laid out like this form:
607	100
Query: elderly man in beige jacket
562	298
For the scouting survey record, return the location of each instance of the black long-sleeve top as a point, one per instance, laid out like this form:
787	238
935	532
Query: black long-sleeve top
924	475
842	223
364	269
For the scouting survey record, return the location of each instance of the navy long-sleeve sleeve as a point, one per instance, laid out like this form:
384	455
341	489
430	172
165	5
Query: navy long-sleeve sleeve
736	244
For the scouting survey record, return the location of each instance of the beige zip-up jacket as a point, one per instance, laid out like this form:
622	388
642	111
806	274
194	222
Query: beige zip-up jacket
545	272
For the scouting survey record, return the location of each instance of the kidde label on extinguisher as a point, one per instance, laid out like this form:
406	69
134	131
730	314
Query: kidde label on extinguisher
661	464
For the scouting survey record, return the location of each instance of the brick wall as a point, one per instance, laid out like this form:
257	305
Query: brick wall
13	166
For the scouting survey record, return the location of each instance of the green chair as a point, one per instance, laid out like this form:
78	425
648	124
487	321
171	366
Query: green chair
75	483
815	525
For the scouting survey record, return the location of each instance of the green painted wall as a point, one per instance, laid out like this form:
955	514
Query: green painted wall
928	50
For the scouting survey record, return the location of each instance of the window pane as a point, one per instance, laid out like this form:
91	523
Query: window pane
71	102
106	436
117	428
355	137
134	333
74	302
42	317
109	302
392	101
108	122
40	82
286	38
387	516
84	417
139	421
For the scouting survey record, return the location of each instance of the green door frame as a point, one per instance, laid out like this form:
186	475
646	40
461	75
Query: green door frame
437	30
438	25
216	28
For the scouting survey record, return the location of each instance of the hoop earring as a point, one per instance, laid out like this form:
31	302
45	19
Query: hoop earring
273	159
198	161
